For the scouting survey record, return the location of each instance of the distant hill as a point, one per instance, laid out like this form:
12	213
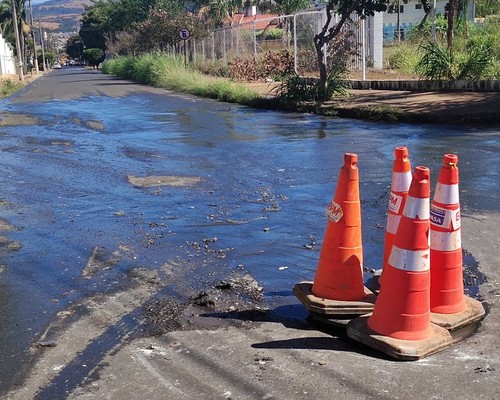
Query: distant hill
60	15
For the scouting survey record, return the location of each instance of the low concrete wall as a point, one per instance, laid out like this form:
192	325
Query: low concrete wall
429	86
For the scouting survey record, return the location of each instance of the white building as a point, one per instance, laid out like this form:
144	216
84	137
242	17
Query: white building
7	59
409	16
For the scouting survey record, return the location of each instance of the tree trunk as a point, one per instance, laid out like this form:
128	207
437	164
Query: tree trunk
326	35
452	12
323	75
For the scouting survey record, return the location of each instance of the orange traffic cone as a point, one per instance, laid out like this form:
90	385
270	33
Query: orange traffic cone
338	287
400	324
450	308
400	183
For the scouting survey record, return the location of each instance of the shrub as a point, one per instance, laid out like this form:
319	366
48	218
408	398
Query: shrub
270	34
277	64
296	89
403	57
94	56
244	69
440	63
213	68
436	62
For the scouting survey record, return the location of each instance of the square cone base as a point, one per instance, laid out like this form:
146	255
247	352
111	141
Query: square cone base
330	324
332	308
406	350
463	324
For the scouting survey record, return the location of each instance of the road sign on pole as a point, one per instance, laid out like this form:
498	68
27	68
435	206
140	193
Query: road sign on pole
184	34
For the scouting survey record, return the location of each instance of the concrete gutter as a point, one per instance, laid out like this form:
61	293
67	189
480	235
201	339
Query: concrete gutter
428	86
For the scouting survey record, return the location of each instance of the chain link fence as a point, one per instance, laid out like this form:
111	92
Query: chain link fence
293	33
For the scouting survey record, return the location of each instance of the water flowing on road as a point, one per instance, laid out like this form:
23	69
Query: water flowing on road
96	186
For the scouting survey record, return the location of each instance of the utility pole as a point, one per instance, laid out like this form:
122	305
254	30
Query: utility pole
34	39
18	42
41	44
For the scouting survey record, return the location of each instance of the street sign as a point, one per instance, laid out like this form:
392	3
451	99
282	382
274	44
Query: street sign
184	34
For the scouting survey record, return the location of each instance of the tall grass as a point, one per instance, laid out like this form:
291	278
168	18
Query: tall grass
403	57
170	73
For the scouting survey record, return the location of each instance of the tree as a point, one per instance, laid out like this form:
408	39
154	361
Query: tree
74	47
452	10
161	30
6	22
343	8
94	56
104	18
220	10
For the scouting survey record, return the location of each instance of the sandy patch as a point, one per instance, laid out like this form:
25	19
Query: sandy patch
7	119
166	180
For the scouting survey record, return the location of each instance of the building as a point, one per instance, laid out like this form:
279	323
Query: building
406	16
7	59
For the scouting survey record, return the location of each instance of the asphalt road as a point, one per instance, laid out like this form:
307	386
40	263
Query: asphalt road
273	179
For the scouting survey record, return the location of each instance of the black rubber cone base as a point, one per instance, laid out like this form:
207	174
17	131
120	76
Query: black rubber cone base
463	324
406	350
330	307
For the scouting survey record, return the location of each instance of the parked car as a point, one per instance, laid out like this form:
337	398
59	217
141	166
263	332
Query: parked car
56	65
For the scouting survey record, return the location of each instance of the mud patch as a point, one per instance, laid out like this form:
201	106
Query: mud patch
225	303
8	119
141	155
48	142
5	226
100	260
95	125
65	143
7	245
166	180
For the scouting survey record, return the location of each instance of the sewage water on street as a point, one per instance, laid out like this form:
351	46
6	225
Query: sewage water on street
156	183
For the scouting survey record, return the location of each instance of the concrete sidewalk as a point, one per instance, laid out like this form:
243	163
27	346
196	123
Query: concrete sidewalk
436	107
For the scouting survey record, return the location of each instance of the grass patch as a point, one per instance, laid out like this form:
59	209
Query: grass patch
8	87
170	73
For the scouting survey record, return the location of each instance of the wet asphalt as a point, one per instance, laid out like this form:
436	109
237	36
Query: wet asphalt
250	194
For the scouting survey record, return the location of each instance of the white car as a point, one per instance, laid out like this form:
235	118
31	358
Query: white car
56	65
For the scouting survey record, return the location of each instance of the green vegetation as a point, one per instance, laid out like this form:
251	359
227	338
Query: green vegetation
402	57
270	34
438	62
94	56
296	89
343	9
169	73
475	53
485	8
8	87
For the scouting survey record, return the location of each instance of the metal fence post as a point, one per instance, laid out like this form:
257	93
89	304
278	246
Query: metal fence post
295	49
213	46
254	40
224	46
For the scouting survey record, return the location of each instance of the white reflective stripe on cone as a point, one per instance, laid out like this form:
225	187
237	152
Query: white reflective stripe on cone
446	241
446	194
409	260
392	223
401	181
416	207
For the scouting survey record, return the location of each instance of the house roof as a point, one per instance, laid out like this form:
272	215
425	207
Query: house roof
262	21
